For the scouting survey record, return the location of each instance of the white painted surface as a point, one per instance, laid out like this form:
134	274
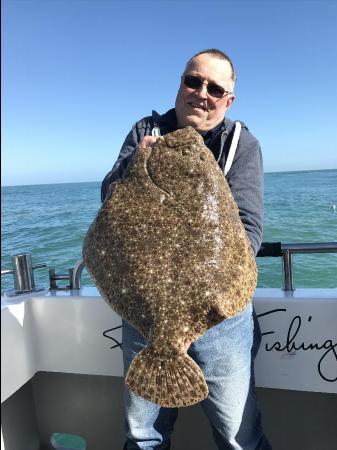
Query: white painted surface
299	342
63	332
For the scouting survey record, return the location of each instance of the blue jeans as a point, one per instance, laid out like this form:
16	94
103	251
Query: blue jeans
225	354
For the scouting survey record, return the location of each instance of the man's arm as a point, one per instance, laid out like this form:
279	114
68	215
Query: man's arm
245	179
124	157
138	137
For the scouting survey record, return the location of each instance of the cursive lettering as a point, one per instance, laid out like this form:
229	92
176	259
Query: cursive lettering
118	344
293	343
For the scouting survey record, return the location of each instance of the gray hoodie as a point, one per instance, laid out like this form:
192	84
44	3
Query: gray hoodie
245	177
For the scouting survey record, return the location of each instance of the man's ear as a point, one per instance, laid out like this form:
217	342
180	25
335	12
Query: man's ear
230	100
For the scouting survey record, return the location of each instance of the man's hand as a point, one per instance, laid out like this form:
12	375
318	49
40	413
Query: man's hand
186	346
147	141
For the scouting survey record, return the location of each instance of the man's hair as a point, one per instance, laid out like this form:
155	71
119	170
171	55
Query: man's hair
217	54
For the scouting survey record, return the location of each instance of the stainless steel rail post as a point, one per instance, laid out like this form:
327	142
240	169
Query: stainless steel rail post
77	272
23	267
287	271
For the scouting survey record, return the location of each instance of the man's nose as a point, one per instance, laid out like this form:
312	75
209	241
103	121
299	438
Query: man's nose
202	91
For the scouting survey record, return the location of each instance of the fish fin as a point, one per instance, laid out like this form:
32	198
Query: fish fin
171	381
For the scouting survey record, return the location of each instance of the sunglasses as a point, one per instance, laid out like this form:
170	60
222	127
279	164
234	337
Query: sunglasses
213	89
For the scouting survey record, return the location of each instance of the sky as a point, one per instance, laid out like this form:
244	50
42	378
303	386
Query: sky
77	74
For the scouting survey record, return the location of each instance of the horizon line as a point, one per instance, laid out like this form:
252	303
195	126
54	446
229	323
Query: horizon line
97	181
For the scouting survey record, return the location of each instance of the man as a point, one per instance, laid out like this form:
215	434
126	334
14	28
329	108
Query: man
226	352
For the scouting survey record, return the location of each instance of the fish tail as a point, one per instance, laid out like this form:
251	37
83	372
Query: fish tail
171	381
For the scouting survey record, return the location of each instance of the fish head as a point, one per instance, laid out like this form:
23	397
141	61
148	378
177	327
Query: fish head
179	163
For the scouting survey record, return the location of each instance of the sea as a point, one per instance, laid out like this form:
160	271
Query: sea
50	221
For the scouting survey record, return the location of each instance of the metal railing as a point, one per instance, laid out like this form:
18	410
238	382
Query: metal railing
268	249
73	276
22	270
287	250
78	269
24	279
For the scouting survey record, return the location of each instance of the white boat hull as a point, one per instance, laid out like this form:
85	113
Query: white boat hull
72	332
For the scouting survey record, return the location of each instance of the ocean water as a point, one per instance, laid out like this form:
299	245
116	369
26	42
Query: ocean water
50	221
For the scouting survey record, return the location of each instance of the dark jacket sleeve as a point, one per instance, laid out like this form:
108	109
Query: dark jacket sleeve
245	179
124	157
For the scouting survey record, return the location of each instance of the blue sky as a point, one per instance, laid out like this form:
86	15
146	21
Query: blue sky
77	74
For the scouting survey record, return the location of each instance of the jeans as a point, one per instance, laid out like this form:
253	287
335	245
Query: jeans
225	354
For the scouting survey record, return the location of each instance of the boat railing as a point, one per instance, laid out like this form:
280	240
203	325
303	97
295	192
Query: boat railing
285	251
22	270
267	249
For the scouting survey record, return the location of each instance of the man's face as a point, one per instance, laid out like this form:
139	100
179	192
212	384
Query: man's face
197	108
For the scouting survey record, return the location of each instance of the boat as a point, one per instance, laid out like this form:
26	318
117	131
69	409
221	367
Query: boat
61	371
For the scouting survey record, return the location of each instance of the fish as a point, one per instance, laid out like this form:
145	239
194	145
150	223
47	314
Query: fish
169	253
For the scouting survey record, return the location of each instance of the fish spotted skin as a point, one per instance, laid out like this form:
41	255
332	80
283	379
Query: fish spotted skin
169	253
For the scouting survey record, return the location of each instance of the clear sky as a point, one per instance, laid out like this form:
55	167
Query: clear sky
77	74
